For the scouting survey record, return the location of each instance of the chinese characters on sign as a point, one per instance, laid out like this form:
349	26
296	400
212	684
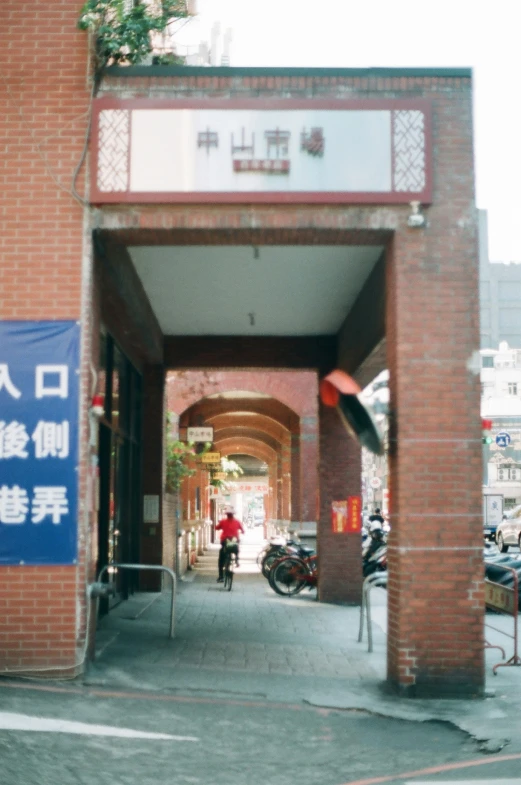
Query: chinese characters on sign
500	597
203	434
354	514
313	142
339	516
248	487
38	442
277	159
345	515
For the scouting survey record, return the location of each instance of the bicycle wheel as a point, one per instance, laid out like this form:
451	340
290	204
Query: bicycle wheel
228	572
261	556
269	560
288	576
229	581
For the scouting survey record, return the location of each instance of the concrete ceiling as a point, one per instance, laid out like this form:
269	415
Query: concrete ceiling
245	290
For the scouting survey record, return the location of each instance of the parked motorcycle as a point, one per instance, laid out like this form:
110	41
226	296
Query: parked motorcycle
374	550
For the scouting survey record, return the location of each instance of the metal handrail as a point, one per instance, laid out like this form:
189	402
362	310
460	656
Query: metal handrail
376	579
148	567
515	659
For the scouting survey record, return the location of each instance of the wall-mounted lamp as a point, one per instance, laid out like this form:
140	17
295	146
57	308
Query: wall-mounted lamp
252	319
416	220
256	252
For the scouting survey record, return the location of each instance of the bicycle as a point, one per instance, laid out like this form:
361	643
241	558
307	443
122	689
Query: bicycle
230	560
290	574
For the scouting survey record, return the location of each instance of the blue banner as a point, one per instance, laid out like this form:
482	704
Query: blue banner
39	409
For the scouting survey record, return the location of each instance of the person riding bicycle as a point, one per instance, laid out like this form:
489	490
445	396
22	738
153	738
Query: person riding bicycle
229	528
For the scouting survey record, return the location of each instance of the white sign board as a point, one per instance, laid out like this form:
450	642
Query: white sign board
369	150
248	487
493	508
199	434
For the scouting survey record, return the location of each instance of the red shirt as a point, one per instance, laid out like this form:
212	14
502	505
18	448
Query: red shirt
230	527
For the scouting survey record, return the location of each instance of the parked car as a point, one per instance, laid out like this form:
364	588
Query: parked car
509	530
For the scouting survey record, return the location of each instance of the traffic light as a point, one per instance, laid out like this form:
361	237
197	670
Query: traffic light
486	427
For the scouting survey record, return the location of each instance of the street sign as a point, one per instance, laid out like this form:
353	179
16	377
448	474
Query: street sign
493	509
503	439
199	434
500	597
219	476
39	405
211	457
375	483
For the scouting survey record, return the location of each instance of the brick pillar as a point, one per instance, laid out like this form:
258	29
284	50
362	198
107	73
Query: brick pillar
295	477
339	555
436	601
308	470
153	436
286	478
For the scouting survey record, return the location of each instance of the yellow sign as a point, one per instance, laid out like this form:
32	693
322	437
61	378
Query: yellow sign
500	597
211	457
219	476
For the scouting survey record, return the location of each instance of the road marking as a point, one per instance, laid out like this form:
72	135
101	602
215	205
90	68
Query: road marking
24	722
406	775
465	782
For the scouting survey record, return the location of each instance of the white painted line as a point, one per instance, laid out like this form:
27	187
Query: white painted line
10	721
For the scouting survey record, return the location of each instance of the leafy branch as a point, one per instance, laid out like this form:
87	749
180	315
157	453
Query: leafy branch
122	34
178	459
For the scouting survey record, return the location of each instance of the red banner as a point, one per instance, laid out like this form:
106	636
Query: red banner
354	514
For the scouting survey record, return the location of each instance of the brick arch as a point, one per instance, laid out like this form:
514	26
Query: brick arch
248	446
266	407
298	390
248	433
254	423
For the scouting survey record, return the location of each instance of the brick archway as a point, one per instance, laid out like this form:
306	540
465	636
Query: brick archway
298	390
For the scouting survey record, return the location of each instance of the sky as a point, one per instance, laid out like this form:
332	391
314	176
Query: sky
474	34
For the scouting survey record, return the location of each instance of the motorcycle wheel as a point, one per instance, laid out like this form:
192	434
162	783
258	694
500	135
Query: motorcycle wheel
288	576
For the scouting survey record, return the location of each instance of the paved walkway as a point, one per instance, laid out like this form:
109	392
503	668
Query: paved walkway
252	643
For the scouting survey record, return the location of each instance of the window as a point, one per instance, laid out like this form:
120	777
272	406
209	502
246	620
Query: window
508	473
487	361
512	388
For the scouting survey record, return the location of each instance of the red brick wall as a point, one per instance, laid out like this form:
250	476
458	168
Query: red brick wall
339	555
43	121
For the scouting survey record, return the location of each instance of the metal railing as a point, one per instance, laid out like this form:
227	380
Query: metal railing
147	567
503	599
371	582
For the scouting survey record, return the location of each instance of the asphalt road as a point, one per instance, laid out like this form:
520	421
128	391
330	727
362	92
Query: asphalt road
219	740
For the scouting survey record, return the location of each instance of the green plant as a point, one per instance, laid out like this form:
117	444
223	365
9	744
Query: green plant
230	468
122	30
178	459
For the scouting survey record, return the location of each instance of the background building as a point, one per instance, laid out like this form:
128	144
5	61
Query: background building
501	403
500	296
